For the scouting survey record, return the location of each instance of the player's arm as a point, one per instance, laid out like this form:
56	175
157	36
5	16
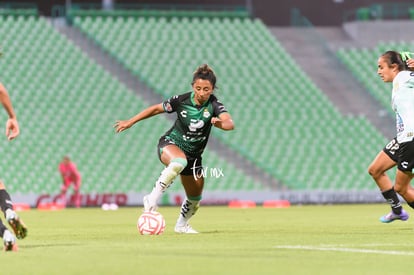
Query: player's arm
223	121
12	126
153	110
75	171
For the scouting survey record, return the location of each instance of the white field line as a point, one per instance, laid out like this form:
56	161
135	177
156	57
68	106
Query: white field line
345	249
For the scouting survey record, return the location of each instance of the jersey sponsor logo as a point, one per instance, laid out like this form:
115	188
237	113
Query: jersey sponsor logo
183	113
195	125
193	139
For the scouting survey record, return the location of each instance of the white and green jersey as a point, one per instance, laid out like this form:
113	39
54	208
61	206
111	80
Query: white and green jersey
192	128
403	105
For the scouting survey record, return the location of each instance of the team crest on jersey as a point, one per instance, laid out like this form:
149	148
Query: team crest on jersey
206	113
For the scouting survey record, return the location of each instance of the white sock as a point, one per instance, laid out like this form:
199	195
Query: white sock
188	209
166	179
9	212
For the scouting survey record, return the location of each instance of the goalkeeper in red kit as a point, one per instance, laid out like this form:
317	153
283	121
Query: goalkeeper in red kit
70	175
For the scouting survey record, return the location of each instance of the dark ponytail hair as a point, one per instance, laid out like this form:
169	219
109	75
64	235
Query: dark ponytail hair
397	58
206	73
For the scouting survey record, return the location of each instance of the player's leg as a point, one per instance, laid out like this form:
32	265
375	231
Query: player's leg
63	190
175	161
9	240
77	196
378	168
385	160
189	207
404	172
193	183
403	187
402	184
12	218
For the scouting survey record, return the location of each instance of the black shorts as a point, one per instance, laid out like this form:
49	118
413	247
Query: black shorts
392	149
406	156
194	163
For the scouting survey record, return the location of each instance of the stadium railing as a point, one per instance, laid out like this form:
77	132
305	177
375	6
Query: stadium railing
18	9
381	11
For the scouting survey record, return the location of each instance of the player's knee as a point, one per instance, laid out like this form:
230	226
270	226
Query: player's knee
374	172
173	169
178	165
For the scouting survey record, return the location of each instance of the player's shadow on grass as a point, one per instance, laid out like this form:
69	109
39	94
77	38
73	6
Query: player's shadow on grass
211	232
47	245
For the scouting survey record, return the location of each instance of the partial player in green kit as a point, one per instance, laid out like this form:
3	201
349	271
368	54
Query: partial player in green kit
180	149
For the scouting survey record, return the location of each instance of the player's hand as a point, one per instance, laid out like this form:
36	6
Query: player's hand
12	128
216	121
410	63
121	125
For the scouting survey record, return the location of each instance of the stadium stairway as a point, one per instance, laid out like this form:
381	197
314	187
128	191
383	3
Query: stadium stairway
318	59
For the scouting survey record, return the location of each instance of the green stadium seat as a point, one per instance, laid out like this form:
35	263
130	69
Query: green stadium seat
243	48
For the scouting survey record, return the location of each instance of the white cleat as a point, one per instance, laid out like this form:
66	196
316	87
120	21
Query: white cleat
9	241
148	206
185	229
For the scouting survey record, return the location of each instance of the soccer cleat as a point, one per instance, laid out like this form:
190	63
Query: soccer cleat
19	228
9	241
185	229
148	206
390	217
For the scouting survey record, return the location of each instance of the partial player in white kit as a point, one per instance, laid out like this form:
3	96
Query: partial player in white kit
392	67
385	160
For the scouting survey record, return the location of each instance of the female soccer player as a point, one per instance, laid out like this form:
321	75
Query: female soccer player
70	175
180	148
12	131
393	67
386	159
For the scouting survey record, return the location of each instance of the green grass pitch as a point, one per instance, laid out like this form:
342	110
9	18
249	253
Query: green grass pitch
338	239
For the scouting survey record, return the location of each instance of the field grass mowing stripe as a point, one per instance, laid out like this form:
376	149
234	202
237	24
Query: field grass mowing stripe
345	249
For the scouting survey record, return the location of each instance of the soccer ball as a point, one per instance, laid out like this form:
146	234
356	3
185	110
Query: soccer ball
151	223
